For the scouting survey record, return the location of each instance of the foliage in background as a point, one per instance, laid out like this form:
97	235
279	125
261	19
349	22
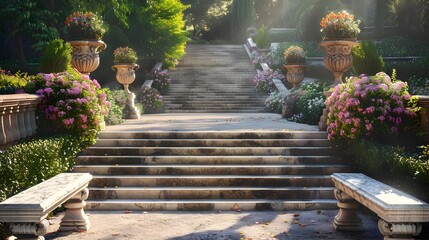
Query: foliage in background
264	81
124	55
339	25
70	104
151	101
373	158
412	16
85	26
309	105
275	101
366	60
9	83
56	57
372	107
242	17
161	81
399	46
118	100
262	38
294	55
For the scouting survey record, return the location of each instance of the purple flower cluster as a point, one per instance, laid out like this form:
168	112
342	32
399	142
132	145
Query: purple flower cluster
152	101
369	106
161	81
264	81
71	104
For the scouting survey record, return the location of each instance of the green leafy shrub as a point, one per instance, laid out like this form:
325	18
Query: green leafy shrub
309	105
406	169
399	46
151	101
371	107
366	60
70	104
262	38
118	100
56	57
10	83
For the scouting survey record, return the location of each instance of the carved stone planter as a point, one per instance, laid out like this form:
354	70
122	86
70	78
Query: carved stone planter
294	74
85	56
338	57
125	75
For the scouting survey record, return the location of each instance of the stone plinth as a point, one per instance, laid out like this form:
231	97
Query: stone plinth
27	211
401	214
17	116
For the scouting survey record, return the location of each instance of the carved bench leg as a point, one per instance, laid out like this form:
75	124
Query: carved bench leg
399	231
347	218
75	218
29	231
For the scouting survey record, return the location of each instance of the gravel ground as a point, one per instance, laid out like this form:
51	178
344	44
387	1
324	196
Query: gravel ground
215	226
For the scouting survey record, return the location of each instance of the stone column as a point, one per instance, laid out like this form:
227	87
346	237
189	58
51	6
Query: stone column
399	231
75	218
347	218
21	121
29	231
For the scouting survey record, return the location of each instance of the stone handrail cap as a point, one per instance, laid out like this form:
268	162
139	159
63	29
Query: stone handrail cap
387	202
33	204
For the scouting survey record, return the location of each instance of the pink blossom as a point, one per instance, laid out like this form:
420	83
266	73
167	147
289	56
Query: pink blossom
48	77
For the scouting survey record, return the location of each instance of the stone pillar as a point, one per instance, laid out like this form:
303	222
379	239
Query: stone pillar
347	218
399	231
29	231
8	127
21	121
3	118
75	218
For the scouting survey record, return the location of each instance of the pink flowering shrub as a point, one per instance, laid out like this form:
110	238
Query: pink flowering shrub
151	101
370	107
264	81
71	103
161	81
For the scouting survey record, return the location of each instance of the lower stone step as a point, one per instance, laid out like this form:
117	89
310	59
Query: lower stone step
211	204
214	111
212	193
102	181
211	169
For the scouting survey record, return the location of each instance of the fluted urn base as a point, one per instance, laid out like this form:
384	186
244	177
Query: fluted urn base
85	55
338	57
294	74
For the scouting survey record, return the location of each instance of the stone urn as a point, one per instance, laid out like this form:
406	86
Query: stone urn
338	57
125	75
294	74
85	55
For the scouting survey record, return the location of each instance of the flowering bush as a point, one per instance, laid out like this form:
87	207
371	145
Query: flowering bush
264	81
161	81
9	83
85	26
370	107
339	25
294	55
118	100
152	101
72	104
125	55
260	58
275	101
309	105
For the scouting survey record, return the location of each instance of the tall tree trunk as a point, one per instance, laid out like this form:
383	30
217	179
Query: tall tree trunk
379	18
20	51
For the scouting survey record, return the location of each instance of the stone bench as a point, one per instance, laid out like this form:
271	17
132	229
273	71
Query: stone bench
26	212
400	214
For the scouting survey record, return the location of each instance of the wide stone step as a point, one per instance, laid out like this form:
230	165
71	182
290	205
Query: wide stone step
102	181
196	105
211	169
206	102
213	135
211	204
208	160
212	193
212	143
206	151
178	110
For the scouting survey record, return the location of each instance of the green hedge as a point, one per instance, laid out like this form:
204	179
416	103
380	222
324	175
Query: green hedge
407	169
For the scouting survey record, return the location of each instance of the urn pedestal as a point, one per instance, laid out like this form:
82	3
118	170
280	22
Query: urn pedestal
338	57
125	75
294	74
85	55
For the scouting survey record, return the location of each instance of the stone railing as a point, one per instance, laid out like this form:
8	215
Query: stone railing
17	116
148	83
423	102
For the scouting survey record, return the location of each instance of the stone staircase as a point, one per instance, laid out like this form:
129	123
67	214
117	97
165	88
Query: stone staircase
214	78
214	170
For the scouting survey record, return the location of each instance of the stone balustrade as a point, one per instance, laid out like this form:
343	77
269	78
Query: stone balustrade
423	102
148	83
17	116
